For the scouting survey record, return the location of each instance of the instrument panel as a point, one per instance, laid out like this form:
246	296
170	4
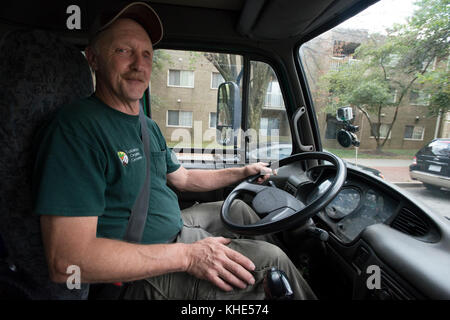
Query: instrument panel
357	206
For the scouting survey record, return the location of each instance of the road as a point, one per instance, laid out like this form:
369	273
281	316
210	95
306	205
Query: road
437	201
393	170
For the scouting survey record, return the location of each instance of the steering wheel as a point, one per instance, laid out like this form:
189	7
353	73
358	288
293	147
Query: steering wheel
278	209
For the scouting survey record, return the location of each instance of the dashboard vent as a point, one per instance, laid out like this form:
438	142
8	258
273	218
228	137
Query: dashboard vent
410	223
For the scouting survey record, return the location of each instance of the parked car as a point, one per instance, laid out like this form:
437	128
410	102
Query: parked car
431	165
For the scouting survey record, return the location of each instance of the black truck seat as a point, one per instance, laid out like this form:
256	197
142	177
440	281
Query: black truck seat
39	72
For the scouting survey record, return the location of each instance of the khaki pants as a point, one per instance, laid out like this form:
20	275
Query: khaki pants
201	221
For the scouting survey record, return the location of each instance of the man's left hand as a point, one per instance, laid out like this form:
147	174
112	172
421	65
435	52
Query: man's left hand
260	168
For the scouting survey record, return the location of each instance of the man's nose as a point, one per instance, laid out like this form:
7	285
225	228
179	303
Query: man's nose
138	63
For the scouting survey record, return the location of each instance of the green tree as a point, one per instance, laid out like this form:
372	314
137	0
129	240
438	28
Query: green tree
429	27
437	86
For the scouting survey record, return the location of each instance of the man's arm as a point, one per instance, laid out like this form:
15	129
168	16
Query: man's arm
206	180
72	241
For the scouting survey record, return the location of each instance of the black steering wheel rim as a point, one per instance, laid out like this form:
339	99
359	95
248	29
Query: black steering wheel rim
301	215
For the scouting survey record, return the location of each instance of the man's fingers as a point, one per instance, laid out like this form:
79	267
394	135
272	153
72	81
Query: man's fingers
236	268
221	284
220	264
262	179
265	171
242	274
232	279
223	240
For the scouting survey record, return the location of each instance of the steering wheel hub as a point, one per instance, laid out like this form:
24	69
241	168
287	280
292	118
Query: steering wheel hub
272	199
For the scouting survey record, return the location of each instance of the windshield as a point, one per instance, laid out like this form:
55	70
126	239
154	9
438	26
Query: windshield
379	86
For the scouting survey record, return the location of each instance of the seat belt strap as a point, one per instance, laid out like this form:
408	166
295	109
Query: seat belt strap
139	211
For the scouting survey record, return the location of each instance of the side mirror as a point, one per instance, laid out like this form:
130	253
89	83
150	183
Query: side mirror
229	110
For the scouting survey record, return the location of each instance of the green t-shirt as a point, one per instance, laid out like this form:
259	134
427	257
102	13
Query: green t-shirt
91	162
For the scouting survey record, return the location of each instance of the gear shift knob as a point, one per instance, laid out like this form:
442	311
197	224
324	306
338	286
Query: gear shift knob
276	285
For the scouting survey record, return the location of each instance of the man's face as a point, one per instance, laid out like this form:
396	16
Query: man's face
123	61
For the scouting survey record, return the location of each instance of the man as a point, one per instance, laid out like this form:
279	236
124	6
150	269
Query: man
90	168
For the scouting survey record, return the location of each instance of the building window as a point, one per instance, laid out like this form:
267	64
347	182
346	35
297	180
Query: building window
181	78
216	80
419	98
274	98
384	128
336	63
414	133
393	96
212	119
177	118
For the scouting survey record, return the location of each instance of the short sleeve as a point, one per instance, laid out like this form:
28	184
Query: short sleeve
171	160
68	178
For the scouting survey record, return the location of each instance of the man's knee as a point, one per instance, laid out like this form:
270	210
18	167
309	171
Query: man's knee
263	254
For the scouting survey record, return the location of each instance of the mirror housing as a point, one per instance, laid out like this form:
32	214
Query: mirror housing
346	139
229	111
346	136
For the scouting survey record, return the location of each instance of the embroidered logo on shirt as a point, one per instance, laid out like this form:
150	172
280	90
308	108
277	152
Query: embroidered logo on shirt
123	158
127	157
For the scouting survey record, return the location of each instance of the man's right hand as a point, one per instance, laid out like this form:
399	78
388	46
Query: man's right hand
210	259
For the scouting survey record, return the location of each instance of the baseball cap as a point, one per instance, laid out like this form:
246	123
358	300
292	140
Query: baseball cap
140	12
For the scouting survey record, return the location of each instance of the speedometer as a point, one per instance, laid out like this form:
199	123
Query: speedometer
346	202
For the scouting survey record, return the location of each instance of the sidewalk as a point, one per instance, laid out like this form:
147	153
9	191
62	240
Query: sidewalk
395	171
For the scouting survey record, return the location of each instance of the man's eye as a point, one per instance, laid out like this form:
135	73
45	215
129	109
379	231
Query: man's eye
122	50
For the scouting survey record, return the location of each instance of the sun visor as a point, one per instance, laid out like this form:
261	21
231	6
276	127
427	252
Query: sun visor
281	19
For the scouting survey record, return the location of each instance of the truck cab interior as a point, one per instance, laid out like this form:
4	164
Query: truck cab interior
375	241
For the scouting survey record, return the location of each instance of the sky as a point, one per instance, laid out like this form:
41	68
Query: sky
391	11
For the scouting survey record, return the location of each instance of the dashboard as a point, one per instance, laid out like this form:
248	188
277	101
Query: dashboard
357	206
373	223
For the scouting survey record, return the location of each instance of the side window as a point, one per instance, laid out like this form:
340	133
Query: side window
183	92
268	131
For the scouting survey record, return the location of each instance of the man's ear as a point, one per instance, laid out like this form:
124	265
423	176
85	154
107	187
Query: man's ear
91	57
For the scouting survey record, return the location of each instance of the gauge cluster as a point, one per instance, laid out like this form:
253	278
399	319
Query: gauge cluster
357	206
